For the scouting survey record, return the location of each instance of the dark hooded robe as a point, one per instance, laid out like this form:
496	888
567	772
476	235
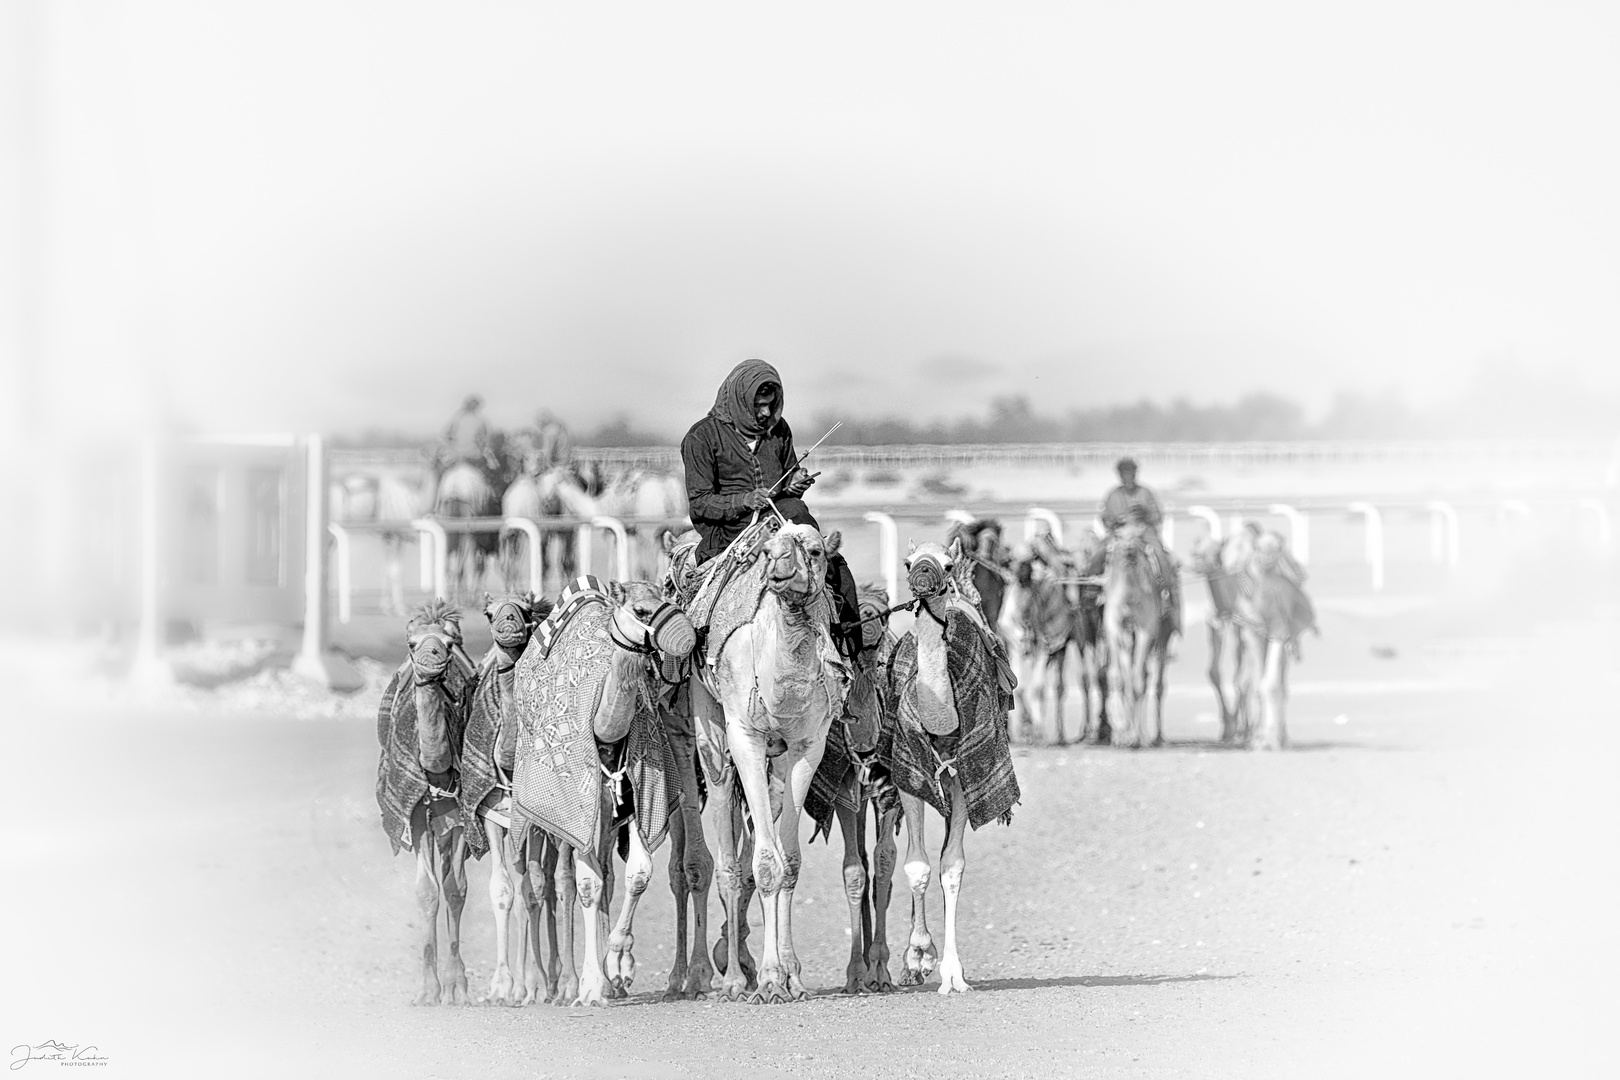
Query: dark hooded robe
728	454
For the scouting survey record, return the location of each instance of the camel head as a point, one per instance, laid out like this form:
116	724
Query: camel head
678	565
1206	555
652	640
1268	551
931	568
433	638
796	563
512	618
874	601
646	623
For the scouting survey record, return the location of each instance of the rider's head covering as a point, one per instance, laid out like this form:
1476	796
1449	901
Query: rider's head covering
1125	463
472	404
734	404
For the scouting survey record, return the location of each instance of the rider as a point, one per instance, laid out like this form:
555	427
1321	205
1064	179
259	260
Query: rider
734	459
466	437
1132	502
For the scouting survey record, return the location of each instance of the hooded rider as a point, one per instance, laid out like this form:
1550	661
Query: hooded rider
736	459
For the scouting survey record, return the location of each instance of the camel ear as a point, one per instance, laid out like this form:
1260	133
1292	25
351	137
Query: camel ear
667	541
955	550
911	547
833	541
488	600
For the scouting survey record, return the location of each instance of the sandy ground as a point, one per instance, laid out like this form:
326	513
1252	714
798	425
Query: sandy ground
1422	886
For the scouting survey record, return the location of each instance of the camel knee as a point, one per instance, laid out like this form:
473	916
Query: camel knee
950	876
855	882
918	874
699	867
501	893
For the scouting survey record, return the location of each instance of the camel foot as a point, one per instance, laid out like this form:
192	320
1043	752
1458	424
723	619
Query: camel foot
620	963
427	996
951	979
567	990
502	988
921	959
770	993
734	989
699	979
909	977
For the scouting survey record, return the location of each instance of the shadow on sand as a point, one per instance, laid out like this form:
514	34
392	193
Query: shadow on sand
834	993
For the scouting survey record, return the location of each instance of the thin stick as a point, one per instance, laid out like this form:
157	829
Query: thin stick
807	453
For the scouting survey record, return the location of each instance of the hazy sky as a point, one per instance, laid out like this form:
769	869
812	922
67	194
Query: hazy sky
286	216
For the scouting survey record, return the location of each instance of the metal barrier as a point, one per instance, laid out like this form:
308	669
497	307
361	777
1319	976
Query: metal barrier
1208	517
1299	531
888	551
1443	541
1375	541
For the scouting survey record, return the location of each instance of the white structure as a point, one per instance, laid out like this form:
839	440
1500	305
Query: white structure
1299	531
1601	513
1442	532
1374	552
888	551
536	550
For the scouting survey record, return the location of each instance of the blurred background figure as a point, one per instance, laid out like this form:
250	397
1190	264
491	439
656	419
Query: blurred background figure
1129	504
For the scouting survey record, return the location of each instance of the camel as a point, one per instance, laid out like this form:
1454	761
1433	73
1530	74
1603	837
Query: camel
945	743
771	685
849	782
420	736
1260	612
528	867
591	756
1053	609
1137	627
1224	564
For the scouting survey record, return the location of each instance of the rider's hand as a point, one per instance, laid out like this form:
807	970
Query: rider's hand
799	482
758	499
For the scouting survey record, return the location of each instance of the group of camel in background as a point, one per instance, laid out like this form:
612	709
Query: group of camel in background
1116	625
524	487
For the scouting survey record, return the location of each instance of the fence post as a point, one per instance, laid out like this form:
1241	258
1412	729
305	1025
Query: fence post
582	548
1442	532
434	537
536	546
1167	530
1299	531
345	571
621	542
1375	541
1209	517
888	551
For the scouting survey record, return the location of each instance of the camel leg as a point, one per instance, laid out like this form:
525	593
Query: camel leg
855	885
1161	663
801	770
592	889
526	870
1252	656
1099	662
952	863
1055	688
697	866
638	868
769	863
566	892
728	875
676	988
427	901
1269	734
920	954
1217	676
883	859
501	896
454	855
